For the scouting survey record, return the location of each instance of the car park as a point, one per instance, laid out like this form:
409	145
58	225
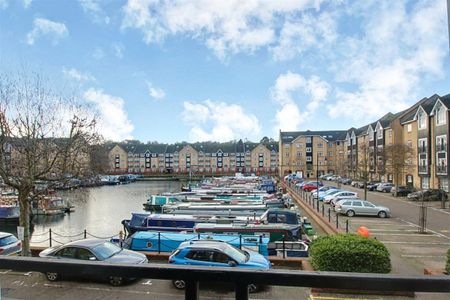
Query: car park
95	250
312	185
428	195
355	207
401	190
9	244
216	254
385	187
372	185
339	195
342	195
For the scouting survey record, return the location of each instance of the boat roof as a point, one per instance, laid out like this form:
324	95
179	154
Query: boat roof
179	236
246	226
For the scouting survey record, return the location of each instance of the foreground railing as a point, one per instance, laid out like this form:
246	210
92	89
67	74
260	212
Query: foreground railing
239	277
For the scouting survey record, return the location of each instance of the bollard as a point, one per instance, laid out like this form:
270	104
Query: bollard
317	206
284	249
337	221
240	241
329	215
50	236
323	210
85	234
346	226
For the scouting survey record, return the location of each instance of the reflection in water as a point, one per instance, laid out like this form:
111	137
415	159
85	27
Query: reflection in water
99	210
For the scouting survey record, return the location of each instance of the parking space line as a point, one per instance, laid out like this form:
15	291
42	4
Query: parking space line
423	256
437	233
409	234
414	243
393	230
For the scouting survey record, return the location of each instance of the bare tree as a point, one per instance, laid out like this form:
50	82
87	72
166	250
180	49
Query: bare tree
363	165
43	136
398	161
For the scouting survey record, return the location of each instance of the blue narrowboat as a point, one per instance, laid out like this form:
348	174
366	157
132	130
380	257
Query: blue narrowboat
169	241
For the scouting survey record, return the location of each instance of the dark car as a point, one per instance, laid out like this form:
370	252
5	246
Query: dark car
93	250
428	195
401	190
372	185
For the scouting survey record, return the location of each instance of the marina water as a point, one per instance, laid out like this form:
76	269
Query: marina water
98	210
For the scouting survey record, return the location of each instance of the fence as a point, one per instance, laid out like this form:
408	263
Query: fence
240	277
51	237
339	223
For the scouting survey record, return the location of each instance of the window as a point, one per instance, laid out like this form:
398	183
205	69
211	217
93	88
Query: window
409	143
308	149
441	143
286	145
440	115
299	154
69	252
409	127
357	203
308	158
367	204
320	153
422	145
425	183
298	145
380	133
320	145
370	133
443	184
421	120
330	153
308	139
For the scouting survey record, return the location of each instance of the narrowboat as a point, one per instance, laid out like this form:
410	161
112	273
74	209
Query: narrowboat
276	232
169	208
9	212
169	241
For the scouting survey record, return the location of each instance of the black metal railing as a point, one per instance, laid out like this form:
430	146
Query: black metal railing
423	168
441	147
241	278
441	169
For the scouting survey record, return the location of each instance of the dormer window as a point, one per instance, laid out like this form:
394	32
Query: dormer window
371	135
421	120
380	134
440	115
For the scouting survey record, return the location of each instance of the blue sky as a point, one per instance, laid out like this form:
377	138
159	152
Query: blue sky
198	70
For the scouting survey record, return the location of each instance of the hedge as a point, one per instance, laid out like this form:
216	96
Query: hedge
349	253
448	262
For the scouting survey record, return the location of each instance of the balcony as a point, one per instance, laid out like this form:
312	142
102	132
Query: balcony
441	147
423	149
442	169
240	277
423	169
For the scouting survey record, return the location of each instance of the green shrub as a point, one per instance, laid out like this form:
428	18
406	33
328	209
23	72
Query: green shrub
448	262
349	253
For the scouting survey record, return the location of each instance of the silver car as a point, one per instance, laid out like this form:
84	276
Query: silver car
93	250
9	244
353	207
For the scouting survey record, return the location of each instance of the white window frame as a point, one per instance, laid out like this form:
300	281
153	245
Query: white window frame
440	115
425	183
409	127
308	158
421	120
308	149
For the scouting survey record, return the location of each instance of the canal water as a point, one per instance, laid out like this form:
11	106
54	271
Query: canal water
98	210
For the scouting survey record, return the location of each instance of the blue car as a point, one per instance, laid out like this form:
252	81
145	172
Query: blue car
216	254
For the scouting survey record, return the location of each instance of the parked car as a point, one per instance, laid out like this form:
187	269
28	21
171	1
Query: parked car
354	183
216	254
428	195
372	185
345	181
343	195
329	192
335	177
401	190
355	207
322	190
385	187
339	195
312	185
92	250
9	244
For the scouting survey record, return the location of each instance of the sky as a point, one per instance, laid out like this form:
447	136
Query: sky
206	70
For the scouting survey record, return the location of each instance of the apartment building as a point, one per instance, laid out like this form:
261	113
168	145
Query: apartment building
206	157
422	129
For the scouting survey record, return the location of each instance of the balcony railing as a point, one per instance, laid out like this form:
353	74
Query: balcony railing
441	147
441	169
240	277
423	169
423	149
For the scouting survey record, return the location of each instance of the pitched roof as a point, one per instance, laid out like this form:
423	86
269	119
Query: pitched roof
329	135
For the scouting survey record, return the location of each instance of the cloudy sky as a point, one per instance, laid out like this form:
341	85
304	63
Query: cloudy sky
198	70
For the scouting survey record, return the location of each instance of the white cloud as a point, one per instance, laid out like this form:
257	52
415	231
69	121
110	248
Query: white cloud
231	26
219	121
291	88
154	92
45	27
78	75
398	48
119	48
93	9
113	120
26	3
